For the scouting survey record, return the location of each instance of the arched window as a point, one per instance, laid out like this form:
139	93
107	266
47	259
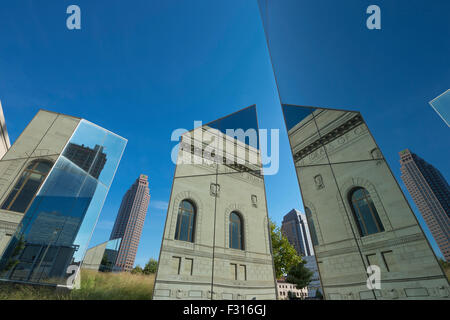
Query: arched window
185	221
25	189
312	228
364	212
236	228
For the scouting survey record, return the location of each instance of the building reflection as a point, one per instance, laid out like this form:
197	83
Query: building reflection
56	228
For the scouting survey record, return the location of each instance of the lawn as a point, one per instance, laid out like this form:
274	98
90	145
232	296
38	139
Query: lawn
94	286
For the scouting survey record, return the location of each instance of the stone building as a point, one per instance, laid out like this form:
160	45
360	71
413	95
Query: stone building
285	289
216	242
358	211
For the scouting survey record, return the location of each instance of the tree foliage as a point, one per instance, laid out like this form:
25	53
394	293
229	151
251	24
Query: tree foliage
137	270
299	275
284	254
151	266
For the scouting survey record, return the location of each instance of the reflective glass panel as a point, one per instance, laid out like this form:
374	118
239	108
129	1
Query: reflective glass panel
56	229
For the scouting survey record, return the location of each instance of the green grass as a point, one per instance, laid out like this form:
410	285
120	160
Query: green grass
94	286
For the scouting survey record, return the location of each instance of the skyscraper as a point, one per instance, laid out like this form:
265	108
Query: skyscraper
295	228
130	221
431	194
4	138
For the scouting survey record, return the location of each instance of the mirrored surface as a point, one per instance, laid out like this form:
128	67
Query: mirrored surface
217	217
354	207
57	227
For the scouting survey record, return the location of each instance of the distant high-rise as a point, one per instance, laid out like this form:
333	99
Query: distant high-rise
130	221
5	144
295	228
431	194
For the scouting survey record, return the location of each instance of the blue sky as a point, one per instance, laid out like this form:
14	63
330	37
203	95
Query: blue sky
144	68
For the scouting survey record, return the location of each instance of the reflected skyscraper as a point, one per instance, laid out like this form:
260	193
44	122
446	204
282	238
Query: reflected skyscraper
216	242
130	222
295	228
52	196
431	193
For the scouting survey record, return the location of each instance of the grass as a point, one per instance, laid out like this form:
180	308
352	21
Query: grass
94	286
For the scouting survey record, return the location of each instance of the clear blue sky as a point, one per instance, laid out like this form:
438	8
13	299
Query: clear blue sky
144	68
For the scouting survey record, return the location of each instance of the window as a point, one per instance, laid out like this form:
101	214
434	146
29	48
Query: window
25	189
312	228
236	238
185	222
364	212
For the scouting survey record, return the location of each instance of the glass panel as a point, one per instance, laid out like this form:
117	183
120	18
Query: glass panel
442	106
314	62
195	239
241	231
61	218
215	196
345	136
312	228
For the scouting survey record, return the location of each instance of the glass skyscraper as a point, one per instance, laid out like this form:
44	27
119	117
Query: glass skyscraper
54	194
431	194
295	228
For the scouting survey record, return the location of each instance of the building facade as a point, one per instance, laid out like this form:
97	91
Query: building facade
314	285
48	203
216	243
431	194
358	211
103	257
295	228
288	291
130	222
5	144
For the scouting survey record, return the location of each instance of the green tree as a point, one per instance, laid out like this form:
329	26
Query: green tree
151	266
284	254
319	295
299	275
137	270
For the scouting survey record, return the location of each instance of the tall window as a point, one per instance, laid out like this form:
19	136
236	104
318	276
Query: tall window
312	228
25	189
365	213
185	222
236	238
